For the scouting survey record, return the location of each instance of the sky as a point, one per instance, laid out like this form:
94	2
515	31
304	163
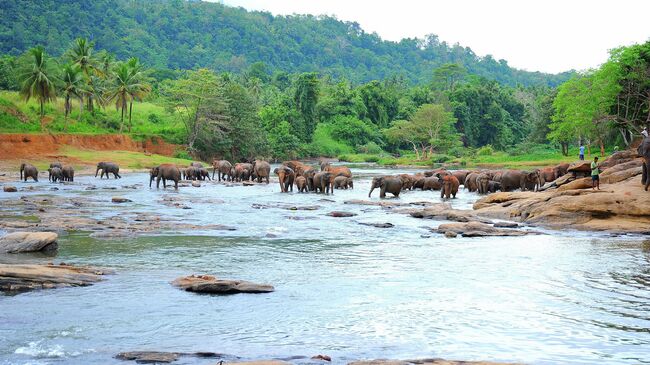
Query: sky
548	36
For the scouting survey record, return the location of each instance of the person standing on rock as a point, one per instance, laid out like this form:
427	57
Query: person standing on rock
582	152
595	174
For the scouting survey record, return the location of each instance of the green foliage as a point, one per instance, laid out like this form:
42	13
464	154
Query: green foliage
486	150
36	77
352	131
169	34
370	147
182	154
323	144
284	145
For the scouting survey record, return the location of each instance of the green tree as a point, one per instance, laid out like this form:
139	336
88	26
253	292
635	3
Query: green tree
284	145
448	76
139	84
430	129
81	54
72	84
306	97
37	78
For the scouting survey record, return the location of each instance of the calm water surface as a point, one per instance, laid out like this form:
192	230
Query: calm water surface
342	289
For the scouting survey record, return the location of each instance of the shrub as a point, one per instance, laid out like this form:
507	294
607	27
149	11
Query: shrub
154	118
182	154
371	148
486	150
324	145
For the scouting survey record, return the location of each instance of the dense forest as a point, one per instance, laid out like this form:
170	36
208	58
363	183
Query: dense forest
454	110
177	34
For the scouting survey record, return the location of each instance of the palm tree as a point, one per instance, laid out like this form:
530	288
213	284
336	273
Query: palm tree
140	86
81	54
72	86
120	89
36	77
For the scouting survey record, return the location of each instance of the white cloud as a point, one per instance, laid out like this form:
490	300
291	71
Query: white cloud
549	36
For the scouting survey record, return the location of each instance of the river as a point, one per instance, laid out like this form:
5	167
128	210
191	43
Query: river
342	288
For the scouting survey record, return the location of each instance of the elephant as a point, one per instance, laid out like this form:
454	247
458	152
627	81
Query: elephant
493	186
286	176
204	173
418	182
546	175
165	172
515	179
108	168
301	184
238	172
56	174
386	184
28	170
496	176
433	172
309	176
338	170
192	173
644	151
224	168
531	181
262	170
561	170
298	167
460	175
324	182
196	164
53	165
249	173
482	183
431	183
470	181
324	165
450	186
68	173
407	181
342	182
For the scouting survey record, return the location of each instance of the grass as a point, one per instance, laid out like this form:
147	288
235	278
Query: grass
126	159
149	119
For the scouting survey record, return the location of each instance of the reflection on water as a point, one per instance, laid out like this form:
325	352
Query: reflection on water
343	289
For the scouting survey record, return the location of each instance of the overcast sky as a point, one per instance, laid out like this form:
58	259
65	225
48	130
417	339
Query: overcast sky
549	35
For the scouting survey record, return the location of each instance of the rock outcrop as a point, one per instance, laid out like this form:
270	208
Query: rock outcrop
455	215
478	229
17	278
158	357
211	285
17	242
427	362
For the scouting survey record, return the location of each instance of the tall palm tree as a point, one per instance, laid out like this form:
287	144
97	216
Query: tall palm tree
37	78
140	86
121	88
81	54
72	85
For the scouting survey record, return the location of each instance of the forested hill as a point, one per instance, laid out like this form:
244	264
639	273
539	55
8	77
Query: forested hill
178	34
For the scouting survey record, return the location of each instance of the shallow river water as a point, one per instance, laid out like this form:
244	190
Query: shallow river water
343	289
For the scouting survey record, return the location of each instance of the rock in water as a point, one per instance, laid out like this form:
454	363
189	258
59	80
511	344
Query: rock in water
9	189
16	278
28	242
338	214
149	357
427	362
477	229
196	184
119	199
211	285
450	234
321	357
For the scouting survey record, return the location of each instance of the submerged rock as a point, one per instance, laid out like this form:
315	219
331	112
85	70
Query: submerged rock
321	357
478	229
159	357
338	214
211	285
427	362
378	225
16	278
9	189
28	242
455	215
196	184
119	199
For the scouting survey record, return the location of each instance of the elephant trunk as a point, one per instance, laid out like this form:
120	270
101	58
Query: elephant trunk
370	193
96	171
21	172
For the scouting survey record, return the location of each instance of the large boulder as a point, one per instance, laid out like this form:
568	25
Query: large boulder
28	242
211	285
16	278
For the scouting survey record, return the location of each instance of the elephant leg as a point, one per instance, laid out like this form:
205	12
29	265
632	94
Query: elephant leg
158	182
644	172
175	184
382	192
164	183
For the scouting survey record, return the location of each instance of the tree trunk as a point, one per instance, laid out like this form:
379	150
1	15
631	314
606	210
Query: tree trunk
565	148
417	154
602	148
130	111
122	117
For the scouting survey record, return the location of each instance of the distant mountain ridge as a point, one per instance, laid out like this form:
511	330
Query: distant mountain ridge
180	34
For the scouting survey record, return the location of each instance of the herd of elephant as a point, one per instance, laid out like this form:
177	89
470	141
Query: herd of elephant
325	179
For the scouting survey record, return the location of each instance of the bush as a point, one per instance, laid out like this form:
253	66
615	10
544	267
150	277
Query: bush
440	158
370	148
486	150
182	154
154	118
324	145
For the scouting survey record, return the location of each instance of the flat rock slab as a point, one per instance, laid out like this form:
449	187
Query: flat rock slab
28	242
17	278
158	357
211	285
378	225
478	229
455	215
338	214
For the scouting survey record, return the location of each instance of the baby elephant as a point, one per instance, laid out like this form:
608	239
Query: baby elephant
28	170
301	184
56	174
108	168
386	184
342	182
68	173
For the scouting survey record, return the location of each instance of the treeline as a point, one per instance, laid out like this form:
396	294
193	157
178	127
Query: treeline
610	104
182	35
